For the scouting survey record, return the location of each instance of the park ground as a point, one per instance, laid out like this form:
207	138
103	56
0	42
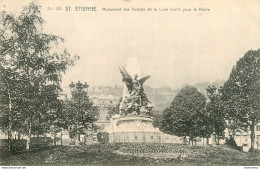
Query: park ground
132	155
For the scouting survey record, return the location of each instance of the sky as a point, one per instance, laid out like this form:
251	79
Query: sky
175	48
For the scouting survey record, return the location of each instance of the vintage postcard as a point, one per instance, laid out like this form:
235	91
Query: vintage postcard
130	83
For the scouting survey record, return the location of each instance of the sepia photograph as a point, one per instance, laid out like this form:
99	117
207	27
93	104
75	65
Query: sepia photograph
129	83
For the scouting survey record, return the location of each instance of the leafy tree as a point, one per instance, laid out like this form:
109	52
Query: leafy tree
206	127
79	113
215	108
9	114
32	64
241	92
184	116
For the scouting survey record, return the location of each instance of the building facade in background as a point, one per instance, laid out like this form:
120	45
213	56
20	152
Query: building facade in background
105	103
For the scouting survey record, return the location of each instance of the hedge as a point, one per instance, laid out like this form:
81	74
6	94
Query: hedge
152	148
20	145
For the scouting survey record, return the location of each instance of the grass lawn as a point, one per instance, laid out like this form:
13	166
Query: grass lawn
108	155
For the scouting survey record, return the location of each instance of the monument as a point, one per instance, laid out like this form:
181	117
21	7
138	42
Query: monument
134	122
135	101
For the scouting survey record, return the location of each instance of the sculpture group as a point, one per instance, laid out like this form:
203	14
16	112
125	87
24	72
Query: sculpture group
135	102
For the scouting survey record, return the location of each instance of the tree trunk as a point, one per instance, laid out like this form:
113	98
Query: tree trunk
29	137
252	135
37	137
54	138
19	135
10	124
9	139
61	137
203	140
233	134
77	142
207	141
78	136
85	138
184	140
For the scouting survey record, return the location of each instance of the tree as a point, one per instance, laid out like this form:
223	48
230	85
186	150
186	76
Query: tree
184	116
32	65
79	113
215	108
241	92
9	113
205	126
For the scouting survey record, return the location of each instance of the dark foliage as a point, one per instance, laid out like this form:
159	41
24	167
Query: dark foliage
231	142
241	92
186	116
103	137
31	67
20	145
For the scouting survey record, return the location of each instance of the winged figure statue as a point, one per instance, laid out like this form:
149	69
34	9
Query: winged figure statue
136	102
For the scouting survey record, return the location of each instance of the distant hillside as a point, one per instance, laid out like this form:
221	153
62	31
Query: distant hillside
203	85
160	97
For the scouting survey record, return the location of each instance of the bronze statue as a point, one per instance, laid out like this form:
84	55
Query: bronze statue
136	103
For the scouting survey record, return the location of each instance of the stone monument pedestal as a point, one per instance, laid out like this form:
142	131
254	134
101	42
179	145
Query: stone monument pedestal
137	129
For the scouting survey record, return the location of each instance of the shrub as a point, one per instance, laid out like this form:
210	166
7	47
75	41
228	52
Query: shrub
40	142
103	137
20	145
17	145
232	143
